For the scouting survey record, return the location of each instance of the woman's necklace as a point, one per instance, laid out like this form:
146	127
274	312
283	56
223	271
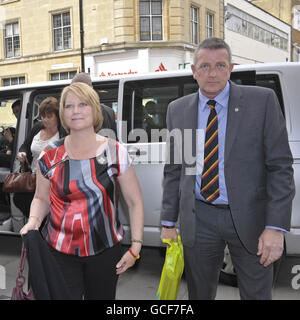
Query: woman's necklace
81	154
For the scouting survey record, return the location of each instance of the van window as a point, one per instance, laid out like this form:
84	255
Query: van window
145	102
7	117
38	100
271	81
108	93
243	77
35	100
8	124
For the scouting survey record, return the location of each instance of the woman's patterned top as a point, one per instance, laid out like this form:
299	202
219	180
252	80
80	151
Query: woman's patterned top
83	216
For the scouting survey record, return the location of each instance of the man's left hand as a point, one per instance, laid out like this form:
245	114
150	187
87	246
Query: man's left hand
270	246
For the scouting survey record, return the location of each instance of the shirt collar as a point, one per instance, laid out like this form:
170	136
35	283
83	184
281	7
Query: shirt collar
221	98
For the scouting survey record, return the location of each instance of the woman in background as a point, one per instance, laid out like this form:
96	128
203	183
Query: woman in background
42	133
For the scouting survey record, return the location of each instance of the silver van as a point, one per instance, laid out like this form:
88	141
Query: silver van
140	102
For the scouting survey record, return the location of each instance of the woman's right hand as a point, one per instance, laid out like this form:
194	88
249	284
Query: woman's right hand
21	156
32	224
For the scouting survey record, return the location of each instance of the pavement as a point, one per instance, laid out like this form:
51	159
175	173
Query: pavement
141	282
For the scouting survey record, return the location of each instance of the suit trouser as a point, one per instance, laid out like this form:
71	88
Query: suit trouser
203	262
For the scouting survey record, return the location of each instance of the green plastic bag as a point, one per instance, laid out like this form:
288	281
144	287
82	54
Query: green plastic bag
172	271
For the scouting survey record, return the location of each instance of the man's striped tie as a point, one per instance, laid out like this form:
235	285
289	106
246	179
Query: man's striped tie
210	175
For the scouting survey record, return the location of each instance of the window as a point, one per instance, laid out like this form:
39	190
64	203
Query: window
7	120
296	52
194	25
62	75
12	40
62	31
262	33
275	40
108	92
271	81
147	101
250	30
150	20
209	25
13	81
249	26
4	1
296	20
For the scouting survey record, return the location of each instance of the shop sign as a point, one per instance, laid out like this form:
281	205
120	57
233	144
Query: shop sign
113	74
103	74
161	67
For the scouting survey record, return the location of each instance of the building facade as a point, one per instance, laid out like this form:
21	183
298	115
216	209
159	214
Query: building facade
254	35
103	37
288	11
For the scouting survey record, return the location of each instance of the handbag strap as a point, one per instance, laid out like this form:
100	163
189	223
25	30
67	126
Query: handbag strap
22	260
25	166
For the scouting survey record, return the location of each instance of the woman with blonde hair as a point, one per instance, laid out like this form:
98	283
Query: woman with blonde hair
77	189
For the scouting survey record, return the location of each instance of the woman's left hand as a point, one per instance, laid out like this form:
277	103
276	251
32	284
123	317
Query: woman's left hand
126	262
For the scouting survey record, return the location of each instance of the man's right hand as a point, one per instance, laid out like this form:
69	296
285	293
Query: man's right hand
167	233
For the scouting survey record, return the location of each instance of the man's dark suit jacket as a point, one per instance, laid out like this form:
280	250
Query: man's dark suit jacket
258	165
109	121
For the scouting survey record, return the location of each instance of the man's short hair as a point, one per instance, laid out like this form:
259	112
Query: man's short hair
82	77
212	44
17	103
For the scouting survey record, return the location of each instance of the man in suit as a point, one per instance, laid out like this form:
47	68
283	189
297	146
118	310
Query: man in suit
108	114
241	192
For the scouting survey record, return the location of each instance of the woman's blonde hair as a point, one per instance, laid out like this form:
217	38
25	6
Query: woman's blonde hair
87	95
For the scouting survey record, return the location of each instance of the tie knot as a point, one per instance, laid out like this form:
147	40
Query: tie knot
211	103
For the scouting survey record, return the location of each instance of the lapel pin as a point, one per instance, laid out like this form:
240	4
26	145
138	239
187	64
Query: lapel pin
101	159
236	109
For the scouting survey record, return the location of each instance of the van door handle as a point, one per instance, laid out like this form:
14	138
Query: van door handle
136	152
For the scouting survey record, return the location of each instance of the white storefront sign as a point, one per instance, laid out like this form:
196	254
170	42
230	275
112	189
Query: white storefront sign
136	62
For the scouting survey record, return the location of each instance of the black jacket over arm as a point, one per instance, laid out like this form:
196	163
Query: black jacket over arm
45	275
